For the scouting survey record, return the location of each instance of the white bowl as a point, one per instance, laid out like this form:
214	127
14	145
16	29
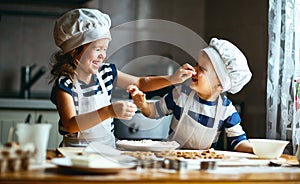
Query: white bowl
268	148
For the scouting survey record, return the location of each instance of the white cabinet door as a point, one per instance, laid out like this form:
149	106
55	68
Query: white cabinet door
9	118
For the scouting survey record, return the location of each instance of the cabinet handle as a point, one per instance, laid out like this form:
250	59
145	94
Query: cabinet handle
27	120
39	120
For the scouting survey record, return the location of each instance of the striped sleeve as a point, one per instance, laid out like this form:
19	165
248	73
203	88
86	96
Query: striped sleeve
168	104
233	128
109	74
65	84
62	83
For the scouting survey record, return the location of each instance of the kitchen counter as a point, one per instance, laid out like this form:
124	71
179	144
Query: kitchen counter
52	174
18	103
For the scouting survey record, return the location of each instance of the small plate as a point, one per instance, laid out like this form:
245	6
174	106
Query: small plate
147	145
67	165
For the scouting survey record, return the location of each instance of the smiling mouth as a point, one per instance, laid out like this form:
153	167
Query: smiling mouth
96	63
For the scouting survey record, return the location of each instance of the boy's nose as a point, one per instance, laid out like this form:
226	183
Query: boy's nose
101	56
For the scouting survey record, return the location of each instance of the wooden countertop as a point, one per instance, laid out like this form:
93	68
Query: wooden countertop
53	174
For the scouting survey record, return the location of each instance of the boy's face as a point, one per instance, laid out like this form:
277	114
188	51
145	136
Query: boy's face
205	82
93	56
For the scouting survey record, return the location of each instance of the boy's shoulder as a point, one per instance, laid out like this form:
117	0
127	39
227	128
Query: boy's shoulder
226	100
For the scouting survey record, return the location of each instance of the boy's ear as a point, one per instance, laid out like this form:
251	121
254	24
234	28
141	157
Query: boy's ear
220	87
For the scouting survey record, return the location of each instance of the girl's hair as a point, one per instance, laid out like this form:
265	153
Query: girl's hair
65	64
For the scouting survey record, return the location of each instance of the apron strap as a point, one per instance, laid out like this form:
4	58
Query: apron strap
101	82
188	101
219	112
186	107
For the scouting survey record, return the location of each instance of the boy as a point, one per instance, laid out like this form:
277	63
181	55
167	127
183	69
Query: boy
201	110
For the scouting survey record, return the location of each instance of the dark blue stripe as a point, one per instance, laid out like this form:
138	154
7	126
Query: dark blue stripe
235	140
107	74
112	72
232	120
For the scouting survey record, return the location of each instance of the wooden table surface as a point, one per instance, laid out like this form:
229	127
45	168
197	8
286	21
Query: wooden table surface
53	174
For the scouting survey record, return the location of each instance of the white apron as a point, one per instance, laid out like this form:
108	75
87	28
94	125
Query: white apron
192	135
102	131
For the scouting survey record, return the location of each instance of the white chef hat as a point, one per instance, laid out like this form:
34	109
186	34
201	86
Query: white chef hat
230	65
80	26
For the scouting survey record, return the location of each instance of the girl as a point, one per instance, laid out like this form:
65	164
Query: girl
83	82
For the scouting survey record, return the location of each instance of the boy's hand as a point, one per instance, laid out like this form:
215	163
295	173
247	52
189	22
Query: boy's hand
138	97
183	73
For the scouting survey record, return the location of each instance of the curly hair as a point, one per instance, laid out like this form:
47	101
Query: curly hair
65	64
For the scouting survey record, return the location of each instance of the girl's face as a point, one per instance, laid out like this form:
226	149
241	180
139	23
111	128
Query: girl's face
205	82
92	57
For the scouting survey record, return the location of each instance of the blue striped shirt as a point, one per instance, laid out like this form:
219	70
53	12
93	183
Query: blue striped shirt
108	73
203	112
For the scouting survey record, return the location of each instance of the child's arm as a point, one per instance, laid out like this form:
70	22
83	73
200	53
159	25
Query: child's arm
139	98
244	146
75	123
152	83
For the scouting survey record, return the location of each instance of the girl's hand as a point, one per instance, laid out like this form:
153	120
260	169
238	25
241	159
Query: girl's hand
138	97
183	73
123	109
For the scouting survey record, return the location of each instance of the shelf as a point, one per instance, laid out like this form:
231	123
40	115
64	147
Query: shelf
34	104
54	8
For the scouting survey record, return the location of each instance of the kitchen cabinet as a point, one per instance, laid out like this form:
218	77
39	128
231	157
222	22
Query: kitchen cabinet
10	117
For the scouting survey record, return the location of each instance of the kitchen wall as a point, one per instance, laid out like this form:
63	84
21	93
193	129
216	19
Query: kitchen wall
27	38
24	40
246	24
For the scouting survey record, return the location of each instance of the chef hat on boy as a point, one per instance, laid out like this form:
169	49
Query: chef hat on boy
80	26
230	65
